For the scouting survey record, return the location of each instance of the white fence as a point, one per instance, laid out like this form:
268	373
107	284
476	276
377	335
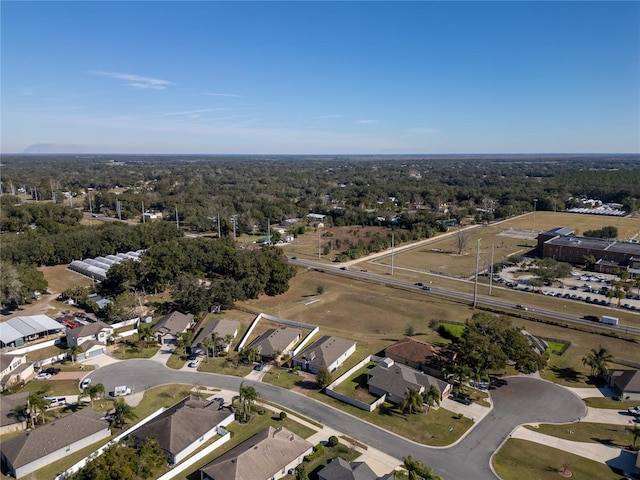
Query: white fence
74	468
314	329
37	346
125	323
225	436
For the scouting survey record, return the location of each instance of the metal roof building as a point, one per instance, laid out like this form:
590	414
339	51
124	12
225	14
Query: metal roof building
17	330
98	267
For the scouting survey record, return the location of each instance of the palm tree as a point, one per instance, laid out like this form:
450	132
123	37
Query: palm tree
145	331
248	395
251	354
635	431
432	396
38	404
215	341
228	338
122	412
598	360
207	343
412	401
93	392
73	351
186	338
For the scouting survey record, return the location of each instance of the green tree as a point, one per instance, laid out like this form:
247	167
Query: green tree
418	471
145	332
122	412
248	396
412	401
598	360
93	392
432	396
250	355
73	351
207	344
323	378
38	405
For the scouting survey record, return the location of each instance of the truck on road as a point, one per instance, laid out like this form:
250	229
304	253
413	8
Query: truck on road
609	320
121	391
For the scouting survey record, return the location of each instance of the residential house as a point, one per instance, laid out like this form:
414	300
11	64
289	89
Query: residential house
329	352
185	427
276	341
171	326
53	441
9	420
221	328
393	380
14	369
268	455
423	356
92	337
340	469
626	383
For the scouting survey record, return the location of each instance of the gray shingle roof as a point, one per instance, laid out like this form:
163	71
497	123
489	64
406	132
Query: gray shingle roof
324	351
340	469
182	424
627	380
174	322
51	437
259	457
221	327
274	340
397	378
8	403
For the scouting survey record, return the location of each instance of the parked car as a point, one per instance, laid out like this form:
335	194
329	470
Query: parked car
195	363
634	410
259	367
462	398
85	383
52	371
42	376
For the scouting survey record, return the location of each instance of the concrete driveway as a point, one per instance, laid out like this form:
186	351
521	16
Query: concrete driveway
523	400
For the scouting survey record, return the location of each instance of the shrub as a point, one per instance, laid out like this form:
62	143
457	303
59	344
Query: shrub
333	441
283	415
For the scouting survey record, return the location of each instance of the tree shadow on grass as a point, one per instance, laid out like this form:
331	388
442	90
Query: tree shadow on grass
567	374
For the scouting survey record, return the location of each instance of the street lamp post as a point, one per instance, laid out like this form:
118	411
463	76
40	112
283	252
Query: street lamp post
535	202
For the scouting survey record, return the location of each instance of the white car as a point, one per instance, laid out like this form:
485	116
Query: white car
634	410
85	383
43	376
195	363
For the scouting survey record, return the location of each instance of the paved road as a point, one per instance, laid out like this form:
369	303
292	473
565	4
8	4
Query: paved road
523	400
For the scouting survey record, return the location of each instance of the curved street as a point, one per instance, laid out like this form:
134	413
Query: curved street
522	400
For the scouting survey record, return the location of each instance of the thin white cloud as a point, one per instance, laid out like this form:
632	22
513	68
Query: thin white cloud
423	131
224	95
330	116
366	121
192	112
137	81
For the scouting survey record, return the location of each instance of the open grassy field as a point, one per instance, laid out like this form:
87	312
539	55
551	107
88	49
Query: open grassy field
60	278
616	436
523	460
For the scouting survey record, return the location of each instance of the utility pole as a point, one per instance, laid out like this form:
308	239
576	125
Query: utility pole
143	219
177	219
392	250
234	219
475	288
219	225
535	202
318	242
491	271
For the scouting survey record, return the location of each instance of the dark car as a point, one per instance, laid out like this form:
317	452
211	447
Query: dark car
259	367
52	371
418	284
426	287
462	398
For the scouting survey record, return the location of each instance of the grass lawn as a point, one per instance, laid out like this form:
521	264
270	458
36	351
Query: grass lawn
52	387
163	396
281	377
47	352
523	460
177	359
557	348
60	278
453	329
615	436
224	366
607	402
439	427
126	351
356	385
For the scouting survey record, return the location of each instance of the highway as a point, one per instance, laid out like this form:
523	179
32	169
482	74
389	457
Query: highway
484	300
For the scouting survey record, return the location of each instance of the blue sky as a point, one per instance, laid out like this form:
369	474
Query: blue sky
320	77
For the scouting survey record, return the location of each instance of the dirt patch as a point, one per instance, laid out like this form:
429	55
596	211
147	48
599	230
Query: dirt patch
308	383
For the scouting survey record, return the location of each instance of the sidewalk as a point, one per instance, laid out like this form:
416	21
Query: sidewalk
613	457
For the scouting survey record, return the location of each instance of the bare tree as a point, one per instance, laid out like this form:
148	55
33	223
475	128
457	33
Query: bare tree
461	240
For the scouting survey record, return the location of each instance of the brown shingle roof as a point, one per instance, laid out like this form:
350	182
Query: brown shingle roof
421	353
274	340
259	457
627	380
88	329
221	327
49	438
